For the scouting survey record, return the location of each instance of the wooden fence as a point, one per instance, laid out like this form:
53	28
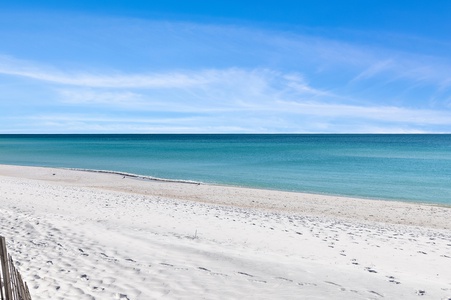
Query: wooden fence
12	285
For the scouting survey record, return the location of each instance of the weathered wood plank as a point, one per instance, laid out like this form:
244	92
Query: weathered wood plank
13	286
5	269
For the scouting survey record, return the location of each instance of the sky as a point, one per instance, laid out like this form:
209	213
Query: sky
232	66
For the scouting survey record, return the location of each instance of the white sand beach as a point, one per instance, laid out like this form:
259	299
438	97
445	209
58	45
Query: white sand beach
84	235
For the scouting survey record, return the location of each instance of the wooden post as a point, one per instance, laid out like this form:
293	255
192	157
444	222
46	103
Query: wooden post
5	269
2	280
2	284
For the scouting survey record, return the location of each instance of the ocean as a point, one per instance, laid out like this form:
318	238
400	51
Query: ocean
404	167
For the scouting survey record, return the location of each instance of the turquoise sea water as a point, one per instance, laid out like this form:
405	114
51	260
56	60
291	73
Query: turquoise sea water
397	167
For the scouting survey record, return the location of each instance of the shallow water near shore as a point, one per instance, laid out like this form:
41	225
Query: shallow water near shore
397	167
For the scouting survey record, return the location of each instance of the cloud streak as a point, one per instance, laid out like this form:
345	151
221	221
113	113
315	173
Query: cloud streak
214	97
165	80
251	100
261	81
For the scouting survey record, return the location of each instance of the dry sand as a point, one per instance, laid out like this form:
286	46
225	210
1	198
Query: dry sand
83	235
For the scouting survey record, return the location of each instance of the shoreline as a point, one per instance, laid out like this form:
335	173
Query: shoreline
158	179
87	235
388	211
151	178
133	176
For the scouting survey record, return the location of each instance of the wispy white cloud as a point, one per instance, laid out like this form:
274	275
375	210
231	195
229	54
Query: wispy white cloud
80	123
248	100
14	67
223	91
390	114
273	107
261	81
374	69
91	96
232	44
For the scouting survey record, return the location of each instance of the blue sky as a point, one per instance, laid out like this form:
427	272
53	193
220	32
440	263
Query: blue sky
225	66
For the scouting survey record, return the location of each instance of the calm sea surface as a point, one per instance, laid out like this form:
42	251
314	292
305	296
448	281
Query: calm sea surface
398	167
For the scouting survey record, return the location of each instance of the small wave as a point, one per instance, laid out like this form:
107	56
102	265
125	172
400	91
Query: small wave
135	176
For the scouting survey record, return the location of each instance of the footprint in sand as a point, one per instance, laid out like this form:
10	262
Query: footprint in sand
121	296
284	279
392	280
370	270
421	292
376	293
245	274
84	276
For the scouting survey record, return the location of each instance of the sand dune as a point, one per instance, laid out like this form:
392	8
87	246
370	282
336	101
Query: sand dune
83	235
